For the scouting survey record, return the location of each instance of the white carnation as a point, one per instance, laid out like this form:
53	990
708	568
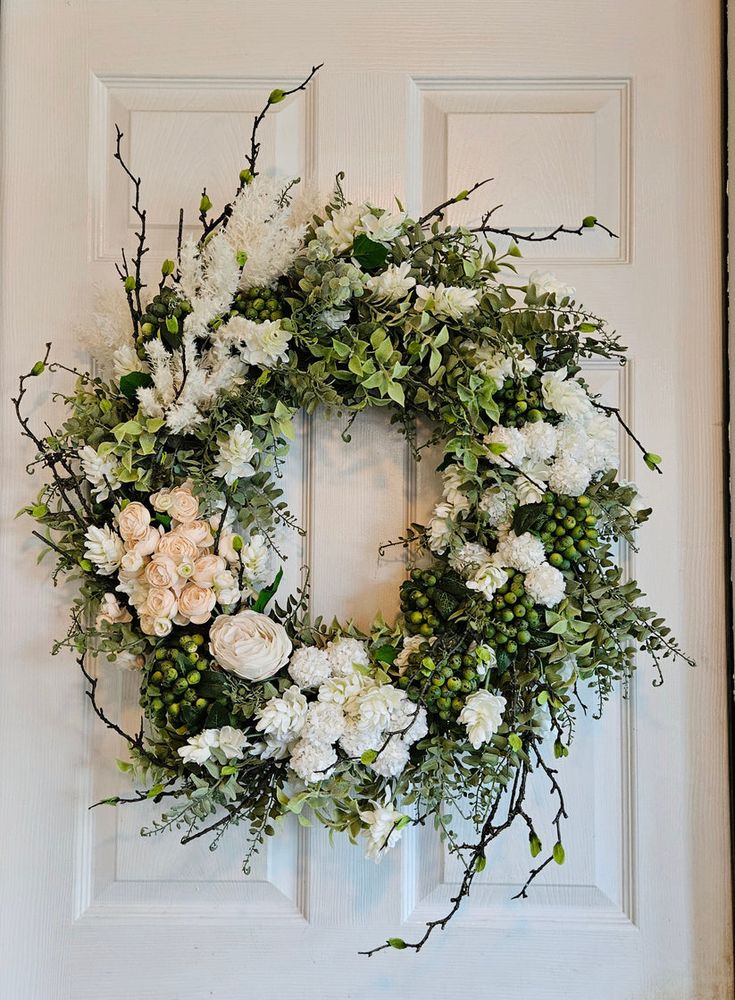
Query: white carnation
312	762
497	504
234	454
545	585
392	758
104	548
512	441
568	477
198	749
482	715
374	708
381	831
411	644
309	666
540	440
565	395
345	654
284	717
325	722
392	284
522	552
99	471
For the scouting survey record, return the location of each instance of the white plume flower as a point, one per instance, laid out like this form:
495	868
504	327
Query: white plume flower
99	471
545	585
104	548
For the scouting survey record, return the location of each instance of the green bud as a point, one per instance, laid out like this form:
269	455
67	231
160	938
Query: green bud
397	943
462	195
86	565
276	96
40	510
514	250
172	324
558	853
237	543
39	368
652	460
534	845
246	176
241	257
167	267
129	283
589	221
205	204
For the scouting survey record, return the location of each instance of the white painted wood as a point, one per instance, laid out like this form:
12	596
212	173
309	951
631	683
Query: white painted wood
573	111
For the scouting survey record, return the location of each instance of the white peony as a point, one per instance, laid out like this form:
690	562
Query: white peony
382	228
325	722
522	552
234	454
392	758
545	282
345	654
497	504
482	715
392	284
309	666
568	477
565	395
249	644
540	440
99	472
104	548
312	762
381	830
512	442
545	585
261	344
283	718
446	302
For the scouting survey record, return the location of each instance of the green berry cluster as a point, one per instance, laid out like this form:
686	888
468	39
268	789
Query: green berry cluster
258	304
570	531
429	598
521	402
512	617
163	318
178	692
444	686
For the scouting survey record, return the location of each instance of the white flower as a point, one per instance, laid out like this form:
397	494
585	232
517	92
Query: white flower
568	477
411	644
249	644
565	395
548	283
392	758
110	612
283	718
134	521
469	557
356	739
486	659
410	721
340	229
325	722
234	455
498	366
100	472
454	480
545	585
541	720
125	360
345	654
512	441
334	319
340	690
497	505
254	556
198	749
522	552
312	762
448	302
309	666
540	440
104	548
260	344
392	284
375	708
592	440
440	528
530	486
231	742
482	715
381	831
487	578
383	228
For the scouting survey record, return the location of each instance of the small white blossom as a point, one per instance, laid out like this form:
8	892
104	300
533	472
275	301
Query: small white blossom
99	471
284	717
440	528
545	585
446	302
383	228
231	742
309	666
234	454
565	395
255	557
381	831
340	229
261	344
392	284
482	715
548	283
104	548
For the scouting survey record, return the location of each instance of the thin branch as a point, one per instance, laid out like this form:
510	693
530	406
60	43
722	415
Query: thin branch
141	213
532	237
438	211
252	156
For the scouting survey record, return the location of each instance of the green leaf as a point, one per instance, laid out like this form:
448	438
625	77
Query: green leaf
396	393
534	845
368	253
172	324
397	943
130	383
385	654
652	460
481	863
369	756
558	853
587	327
267	592
529	517
515	742
154	791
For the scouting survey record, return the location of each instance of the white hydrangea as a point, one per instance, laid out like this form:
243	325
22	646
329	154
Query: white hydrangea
100	472
550	284
234	454
410	721
482	715
345	654
497	504
447	302
545	585
512	441
284	717
104	548
565	395
356	739
569	477
522	552
375	708
341	689
311	761
469	556
540	440
325	722
262	344
392	758
309	666
381	829
392	284
592	440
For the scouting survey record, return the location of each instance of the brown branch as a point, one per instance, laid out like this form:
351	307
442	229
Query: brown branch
141	213
438	210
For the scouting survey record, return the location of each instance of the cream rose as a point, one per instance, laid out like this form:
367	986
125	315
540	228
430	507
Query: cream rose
146	545
249	644
183	505
161	572
198	532
161	501
160	627
134	521
177	547
132	562
111	613
207	568
196	603
160	603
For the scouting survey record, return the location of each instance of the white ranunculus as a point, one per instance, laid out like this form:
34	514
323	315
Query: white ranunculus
482	715
234	454
206	570
283	718
111	613
382	228
447	302
182	504
104	548
545	585
99	471
309	666
565	395
196	603
249	644
265	343
392	284
381	829
133	521
550	284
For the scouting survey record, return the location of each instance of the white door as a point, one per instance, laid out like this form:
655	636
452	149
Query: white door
604	108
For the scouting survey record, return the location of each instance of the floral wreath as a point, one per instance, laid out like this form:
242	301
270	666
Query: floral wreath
163	503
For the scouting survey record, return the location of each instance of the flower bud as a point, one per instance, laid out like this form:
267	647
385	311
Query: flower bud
245	176
129	283
237	543
167	267
39	368
276	96
205	204
589	221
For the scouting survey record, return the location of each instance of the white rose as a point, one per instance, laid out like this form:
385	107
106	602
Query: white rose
134	521
249	644
545	282
482	715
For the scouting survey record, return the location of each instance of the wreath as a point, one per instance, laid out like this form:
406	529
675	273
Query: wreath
163	502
